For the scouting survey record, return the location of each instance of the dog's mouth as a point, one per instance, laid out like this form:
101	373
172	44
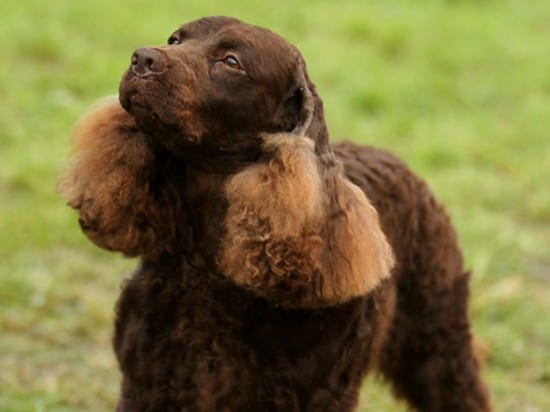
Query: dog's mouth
144	114
131	95
141	97
134	103
137	105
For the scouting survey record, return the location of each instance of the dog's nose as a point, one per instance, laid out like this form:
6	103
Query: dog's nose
147	61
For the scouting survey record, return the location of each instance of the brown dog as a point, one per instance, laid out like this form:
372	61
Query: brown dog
267	281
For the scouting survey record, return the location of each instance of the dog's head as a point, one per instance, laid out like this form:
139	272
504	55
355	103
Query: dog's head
216	86
220	152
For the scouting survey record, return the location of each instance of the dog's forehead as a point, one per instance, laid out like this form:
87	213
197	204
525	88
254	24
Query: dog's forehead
228	30
206	26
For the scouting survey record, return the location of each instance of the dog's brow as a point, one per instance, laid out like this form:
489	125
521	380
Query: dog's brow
229	43
182	33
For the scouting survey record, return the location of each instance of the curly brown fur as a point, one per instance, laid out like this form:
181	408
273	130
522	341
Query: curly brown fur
114	183
298	232
276	269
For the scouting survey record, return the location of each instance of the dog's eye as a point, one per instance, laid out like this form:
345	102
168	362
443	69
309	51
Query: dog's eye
173	40
232	62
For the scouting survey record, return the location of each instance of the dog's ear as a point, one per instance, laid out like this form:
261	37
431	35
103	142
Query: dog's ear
301	111
300	234
115	184
300	100
356	255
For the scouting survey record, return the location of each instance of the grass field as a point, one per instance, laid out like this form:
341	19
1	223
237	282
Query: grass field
459	89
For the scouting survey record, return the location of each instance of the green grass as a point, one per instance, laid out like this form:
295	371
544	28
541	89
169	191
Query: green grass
459	89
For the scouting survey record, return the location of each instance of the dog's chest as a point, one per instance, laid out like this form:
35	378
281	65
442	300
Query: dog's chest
207	342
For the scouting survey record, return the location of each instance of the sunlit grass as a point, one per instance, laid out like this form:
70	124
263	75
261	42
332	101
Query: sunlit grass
459	89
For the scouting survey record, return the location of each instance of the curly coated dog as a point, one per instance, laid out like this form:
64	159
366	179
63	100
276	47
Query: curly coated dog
276	269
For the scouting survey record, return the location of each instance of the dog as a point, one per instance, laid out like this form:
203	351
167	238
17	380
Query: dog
276	269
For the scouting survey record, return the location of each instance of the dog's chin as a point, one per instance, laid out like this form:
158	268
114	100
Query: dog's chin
171	136
137	104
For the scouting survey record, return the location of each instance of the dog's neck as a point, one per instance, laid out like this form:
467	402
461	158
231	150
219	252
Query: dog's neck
206	204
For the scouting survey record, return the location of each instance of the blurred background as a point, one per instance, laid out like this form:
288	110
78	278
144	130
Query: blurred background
459	89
